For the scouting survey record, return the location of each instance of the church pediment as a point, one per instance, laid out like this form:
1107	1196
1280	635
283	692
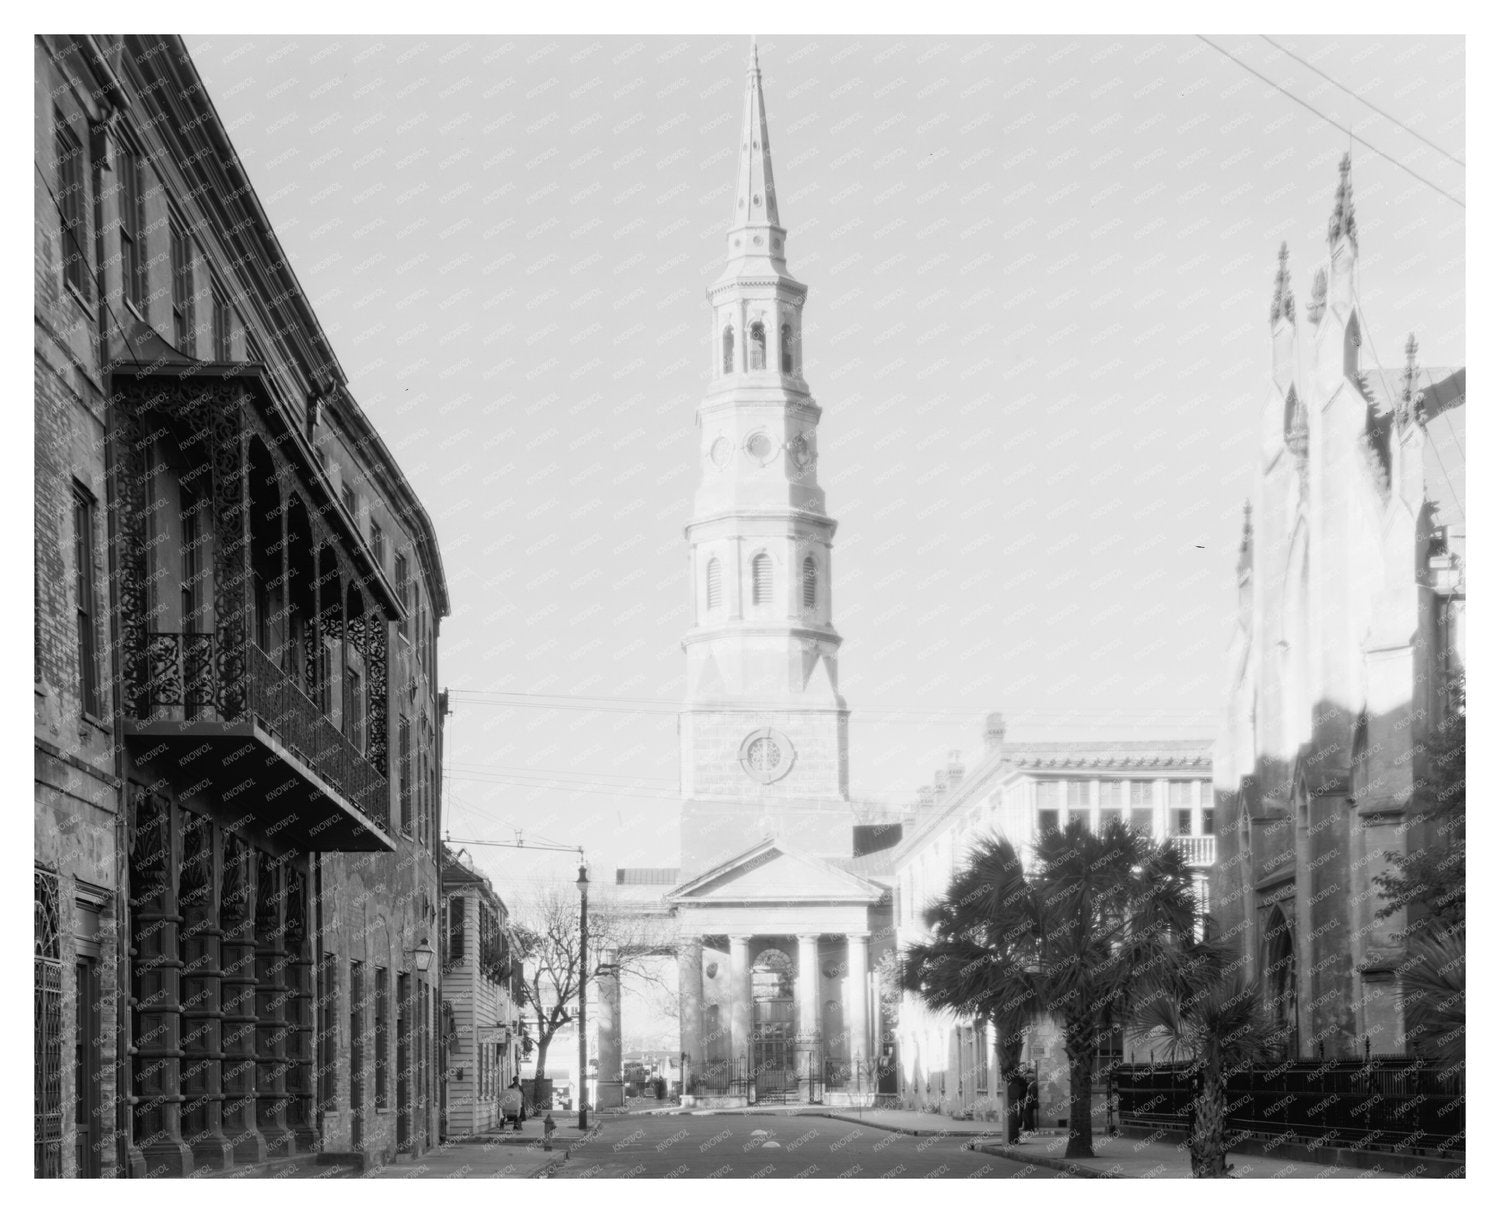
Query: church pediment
771	872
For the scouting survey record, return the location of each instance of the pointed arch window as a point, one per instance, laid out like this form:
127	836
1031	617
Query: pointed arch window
757	346
728	349
760	580
809	583
715	584
786	349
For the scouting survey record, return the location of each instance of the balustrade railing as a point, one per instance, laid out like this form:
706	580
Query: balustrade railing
183	685
1198	849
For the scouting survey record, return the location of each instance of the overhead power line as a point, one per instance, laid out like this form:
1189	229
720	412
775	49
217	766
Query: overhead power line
1331	122
1360	97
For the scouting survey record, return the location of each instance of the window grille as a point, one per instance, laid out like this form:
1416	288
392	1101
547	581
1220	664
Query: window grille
760	580
47	1059
714	584
809	583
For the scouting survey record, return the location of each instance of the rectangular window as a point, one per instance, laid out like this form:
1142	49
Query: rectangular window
1108	817
84	592
1141	821
1112	794
1046	819
184	321
403	761
1182	822
1142	794
382	1031
351	502
356	1036
132	228
72	199
377	543
403	579
456	941
1078	793
1049	794
1179	794
223	351
1208	821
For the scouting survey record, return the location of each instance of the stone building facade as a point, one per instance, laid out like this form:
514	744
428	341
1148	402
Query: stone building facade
1161	788
482	1007
238	728
1348	652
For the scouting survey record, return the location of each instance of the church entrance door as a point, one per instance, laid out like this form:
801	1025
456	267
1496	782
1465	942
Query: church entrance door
773	1061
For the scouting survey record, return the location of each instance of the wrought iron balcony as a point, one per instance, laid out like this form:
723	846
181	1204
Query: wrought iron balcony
1198	849
240	725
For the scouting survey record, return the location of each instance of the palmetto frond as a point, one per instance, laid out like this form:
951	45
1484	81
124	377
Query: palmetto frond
1222	1022
1433	979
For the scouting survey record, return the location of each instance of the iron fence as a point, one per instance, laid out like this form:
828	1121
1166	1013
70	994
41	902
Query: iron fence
1387	1103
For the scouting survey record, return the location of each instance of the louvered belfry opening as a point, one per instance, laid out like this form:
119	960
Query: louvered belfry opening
760	580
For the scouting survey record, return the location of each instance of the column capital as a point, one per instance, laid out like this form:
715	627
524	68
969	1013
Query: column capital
809	936
862	936
743	940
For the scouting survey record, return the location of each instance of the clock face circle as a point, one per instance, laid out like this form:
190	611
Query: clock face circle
766	755
760	447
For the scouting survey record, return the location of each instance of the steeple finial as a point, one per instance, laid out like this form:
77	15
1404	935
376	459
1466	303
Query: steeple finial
1281	297
756	230
1341	222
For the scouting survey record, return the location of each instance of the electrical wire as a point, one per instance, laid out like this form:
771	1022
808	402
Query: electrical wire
1365	100
1314	109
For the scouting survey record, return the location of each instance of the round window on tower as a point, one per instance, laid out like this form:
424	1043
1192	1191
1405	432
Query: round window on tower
766	755
760	447
719	451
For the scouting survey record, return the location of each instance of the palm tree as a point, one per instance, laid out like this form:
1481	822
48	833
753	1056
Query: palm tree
1102	918
1433	980
1221	1027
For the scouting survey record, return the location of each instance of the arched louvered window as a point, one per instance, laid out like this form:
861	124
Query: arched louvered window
786	349
757	346
728	349
760	580
809	583
714	583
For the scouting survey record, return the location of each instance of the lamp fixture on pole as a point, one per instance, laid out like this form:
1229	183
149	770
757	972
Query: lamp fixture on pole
422	955
583	985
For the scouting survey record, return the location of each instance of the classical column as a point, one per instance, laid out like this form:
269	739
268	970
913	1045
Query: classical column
272	992
809	1046
202	1061
856	1019
690	1010
739	1002
610	1092
237	994
154	988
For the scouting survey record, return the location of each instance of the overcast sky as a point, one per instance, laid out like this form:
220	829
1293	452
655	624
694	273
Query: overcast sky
1040	276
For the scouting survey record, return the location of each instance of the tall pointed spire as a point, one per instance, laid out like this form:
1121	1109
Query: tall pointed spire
1341	222
756	229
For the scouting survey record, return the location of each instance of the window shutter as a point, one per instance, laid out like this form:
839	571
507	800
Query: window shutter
714	584
809	583
760	580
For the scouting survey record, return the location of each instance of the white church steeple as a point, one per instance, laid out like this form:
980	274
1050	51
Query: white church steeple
764	730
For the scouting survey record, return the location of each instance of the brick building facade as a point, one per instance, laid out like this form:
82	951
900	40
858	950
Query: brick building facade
238	728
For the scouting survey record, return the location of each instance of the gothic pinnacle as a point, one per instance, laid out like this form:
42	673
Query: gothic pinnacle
1341	222
1281	298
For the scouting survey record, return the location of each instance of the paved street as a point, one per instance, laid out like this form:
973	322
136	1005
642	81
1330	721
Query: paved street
775	1146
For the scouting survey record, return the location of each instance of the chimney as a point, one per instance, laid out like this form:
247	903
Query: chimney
994	730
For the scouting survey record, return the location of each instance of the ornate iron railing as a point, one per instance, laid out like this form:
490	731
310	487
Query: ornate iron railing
1198	849
1390	1103
294	720
183	684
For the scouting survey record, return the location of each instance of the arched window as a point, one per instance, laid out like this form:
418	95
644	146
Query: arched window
760	580
1281	977
809	583
757	346
728	349
786	349
714	580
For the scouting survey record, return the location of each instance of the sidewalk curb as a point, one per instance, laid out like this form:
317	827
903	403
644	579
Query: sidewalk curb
1072	1168
875	1124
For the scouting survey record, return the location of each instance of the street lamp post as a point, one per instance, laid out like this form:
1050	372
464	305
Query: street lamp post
583	985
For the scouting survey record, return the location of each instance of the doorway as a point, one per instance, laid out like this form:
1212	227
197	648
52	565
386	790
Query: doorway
87	1063
773	1037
